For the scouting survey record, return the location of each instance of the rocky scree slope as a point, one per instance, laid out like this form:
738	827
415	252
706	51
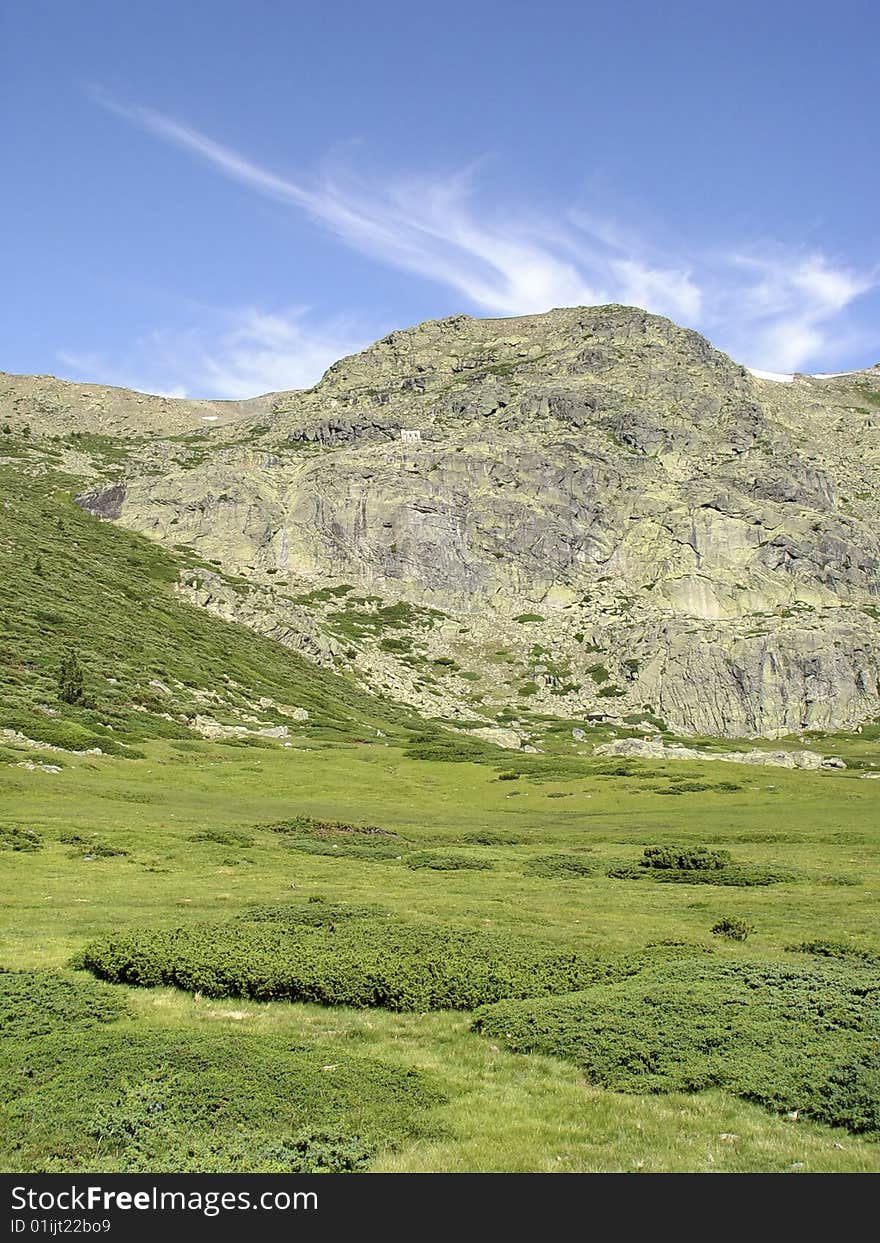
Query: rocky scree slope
586	513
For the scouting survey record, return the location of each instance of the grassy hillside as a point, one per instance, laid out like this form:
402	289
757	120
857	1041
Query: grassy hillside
68	580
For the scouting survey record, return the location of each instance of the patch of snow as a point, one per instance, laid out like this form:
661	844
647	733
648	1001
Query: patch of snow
778	376
783	377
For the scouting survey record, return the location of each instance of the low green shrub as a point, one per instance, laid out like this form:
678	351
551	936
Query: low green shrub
69	735
223	837
788	1037
145	1123
36	1003
733	928
684	858
850	1095
696	865
328	1151
127	1101
315	913
734	875
739	876
96	850
436	861
836	949
396	645
560	867
492	837
308	826
353	962
626	871
248	740
374	849
14	838
544	768
685	787
451	751
618	768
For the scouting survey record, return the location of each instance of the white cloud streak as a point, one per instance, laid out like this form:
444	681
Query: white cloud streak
786	307
231	355
771	307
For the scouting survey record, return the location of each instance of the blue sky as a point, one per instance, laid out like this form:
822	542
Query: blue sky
220	198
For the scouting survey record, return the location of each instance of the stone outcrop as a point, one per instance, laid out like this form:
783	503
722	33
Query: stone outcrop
656	749
641	525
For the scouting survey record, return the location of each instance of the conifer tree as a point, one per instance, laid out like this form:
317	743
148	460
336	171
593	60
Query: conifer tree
71	687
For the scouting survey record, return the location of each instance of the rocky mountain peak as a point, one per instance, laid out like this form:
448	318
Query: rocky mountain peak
586	512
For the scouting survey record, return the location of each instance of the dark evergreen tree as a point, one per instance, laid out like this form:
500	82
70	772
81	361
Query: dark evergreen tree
71	687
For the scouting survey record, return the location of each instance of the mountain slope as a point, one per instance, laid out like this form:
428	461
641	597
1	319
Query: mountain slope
588	513
153	665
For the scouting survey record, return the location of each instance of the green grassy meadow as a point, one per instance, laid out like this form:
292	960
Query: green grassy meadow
482	1107
501	977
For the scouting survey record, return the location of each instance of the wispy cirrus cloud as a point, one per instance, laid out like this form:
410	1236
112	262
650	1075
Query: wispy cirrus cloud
231	355
774	307
787	307
421	225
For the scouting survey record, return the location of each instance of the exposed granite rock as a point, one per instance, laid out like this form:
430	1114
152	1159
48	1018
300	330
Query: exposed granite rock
509	739
696	544
103	502
656	749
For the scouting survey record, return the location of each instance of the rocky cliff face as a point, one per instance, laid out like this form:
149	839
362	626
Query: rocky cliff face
588	512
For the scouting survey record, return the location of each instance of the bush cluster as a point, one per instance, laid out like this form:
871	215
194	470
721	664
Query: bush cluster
450	748
315	913
14	838
35	1003
125	1099
789	1037
825	948
308	826
684	858
437	861
377	850
252	741
682	785
69	735
740	876
697	865
364	962
96	850
732	928
560	867
491	837
223	837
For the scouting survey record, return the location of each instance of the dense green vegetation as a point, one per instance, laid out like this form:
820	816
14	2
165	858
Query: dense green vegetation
319	918
362	962
201	899
82	1087
795	1038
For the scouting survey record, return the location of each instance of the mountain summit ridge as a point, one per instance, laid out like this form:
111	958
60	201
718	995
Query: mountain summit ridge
586	512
